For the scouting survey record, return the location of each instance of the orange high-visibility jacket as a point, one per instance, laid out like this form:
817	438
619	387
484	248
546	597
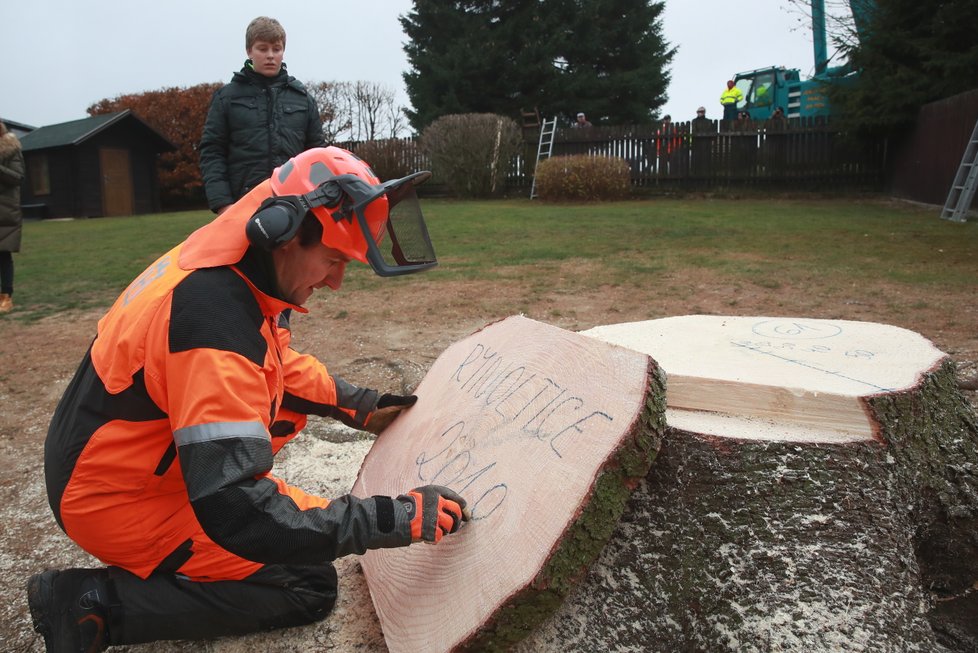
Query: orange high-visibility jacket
162	445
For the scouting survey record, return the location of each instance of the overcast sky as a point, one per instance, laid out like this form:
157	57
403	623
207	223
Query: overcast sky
65	55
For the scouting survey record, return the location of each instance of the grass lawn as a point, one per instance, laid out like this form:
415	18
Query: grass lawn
85	264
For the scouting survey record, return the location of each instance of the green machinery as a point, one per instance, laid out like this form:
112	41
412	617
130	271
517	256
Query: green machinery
767	88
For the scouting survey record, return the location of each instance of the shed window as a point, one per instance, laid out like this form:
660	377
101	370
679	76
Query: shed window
40	177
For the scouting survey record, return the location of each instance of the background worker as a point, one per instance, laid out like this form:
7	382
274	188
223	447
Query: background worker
729	99
256	122
158	460
778	120
702	140
701	124
666	143
581	122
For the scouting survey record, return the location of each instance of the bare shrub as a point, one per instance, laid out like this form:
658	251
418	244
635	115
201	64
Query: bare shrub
471	153
582	177
390	158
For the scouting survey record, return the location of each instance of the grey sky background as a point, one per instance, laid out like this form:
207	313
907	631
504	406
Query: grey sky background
65	55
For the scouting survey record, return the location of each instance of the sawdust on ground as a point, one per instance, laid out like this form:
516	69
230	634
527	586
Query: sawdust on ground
386	338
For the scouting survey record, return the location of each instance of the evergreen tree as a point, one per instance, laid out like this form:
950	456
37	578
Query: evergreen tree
615	58
604	57
915	52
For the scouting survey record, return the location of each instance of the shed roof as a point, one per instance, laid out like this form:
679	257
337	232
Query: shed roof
76	132
13	125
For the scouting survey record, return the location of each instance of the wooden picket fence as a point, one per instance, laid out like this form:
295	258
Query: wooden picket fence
797	155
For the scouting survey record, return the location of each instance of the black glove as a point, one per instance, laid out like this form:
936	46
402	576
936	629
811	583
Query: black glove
388	407
434	511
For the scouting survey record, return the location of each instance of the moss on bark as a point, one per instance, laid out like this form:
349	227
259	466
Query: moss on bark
587	535
932	432
735	545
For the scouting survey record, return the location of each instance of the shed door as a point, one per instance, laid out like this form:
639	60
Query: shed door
116	181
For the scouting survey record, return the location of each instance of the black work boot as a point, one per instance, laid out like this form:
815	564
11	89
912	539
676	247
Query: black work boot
70	609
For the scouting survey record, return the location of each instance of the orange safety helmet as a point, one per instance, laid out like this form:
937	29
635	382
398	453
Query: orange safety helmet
374	222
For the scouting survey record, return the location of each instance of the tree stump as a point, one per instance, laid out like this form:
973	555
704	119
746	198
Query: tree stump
545	432
816	491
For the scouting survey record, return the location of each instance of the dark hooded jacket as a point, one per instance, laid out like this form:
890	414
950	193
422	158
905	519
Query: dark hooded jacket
254	124
11	174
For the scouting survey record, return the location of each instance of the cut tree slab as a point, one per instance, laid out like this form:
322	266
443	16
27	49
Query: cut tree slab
545	432
776	378
816	491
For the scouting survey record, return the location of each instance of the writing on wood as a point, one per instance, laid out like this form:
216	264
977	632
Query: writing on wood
777	378
544	432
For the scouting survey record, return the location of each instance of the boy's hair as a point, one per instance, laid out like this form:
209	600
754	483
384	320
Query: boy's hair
265	29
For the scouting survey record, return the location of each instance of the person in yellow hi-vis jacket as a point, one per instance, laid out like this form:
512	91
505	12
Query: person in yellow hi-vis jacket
729	99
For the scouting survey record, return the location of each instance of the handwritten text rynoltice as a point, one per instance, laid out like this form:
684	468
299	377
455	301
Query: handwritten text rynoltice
539	406
549	414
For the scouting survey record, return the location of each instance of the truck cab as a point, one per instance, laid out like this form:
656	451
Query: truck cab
767	88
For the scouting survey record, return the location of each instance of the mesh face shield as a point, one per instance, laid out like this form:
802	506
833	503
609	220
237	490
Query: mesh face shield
391	221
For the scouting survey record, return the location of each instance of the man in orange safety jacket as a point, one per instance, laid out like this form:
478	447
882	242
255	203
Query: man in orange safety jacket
158	458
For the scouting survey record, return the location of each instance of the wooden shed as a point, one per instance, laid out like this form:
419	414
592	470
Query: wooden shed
99	166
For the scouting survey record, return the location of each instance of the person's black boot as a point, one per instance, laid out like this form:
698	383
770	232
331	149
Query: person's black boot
70	609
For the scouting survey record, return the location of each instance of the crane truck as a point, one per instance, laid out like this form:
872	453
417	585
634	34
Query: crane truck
766	88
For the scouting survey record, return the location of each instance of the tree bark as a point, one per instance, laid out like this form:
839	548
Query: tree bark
739	544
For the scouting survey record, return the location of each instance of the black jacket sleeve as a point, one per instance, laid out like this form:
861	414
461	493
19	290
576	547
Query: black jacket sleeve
214	144
243	511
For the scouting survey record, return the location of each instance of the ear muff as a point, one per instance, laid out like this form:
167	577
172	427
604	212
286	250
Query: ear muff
278	219
275	222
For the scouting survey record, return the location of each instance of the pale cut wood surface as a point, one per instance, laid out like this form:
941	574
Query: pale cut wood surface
520	418
777	378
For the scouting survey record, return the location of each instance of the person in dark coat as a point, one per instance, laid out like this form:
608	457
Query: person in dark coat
702	142
256	122
701	124
11	174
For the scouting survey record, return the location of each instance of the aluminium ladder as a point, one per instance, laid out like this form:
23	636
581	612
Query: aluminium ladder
544	149
963	189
